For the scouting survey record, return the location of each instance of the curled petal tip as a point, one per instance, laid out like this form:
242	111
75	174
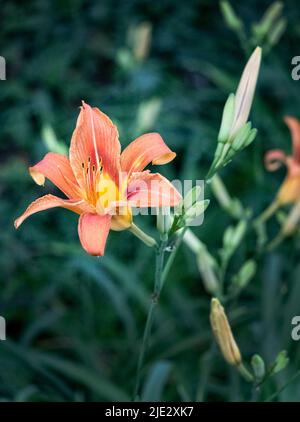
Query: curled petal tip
274	159
38	177
56	168
46	202
146	149
164	159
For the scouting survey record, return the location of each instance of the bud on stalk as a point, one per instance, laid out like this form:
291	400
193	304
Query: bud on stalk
223	334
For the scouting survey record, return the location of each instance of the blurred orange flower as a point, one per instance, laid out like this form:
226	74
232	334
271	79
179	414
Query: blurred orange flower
100	183
289	191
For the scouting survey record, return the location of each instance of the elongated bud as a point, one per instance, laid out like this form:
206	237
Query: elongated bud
163	220
192	197
207	272
245	92
192	242
230	16
223	334
196	211
231	205
142	40
235	133
233	236
245	274
269	20
278	30
205	262
281	362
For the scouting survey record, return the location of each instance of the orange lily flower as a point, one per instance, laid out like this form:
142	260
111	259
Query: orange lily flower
289	191
101	184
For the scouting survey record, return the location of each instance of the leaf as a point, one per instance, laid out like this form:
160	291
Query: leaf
116	295
156	381
104	388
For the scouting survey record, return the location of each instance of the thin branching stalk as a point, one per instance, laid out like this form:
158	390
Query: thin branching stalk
267	213
159	263
172	256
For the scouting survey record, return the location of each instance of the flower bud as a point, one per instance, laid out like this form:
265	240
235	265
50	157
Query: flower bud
206	269
196	211
281	362
245	92
223	334
231	19
163	220
259	367
192	197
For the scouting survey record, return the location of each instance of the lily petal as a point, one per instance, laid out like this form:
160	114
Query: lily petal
294	126
275	159
289	191
56	167
95	142
49	201
151	190
93	230
144	150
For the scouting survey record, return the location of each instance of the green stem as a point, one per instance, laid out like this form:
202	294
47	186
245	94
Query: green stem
230	205
222	275
148	240
150	317
246	374
267	213
275	242
274	395
172	257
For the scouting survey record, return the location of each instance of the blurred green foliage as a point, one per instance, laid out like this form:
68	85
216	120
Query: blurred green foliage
74	322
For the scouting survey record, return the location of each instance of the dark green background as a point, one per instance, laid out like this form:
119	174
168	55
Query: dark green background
74	322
